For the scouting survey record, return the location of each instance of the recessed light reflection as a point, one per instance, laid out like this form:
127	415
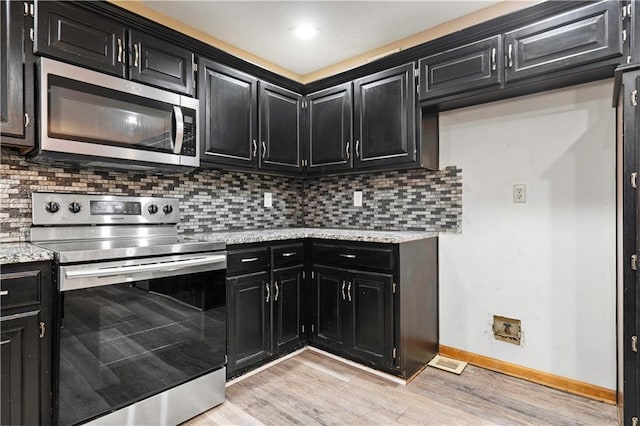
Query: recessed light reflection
305	31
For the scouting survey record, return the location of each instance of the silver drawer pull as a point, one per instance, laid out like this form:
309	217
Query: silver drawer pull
249	259
348	256
289	254
4	293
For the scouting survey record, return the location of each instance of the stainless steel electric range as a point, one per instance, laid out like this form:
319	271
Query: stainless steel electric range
141	312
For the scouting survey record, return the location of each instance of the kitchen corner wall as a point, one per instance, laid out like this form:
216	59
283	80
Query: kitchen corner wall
401	200
210	200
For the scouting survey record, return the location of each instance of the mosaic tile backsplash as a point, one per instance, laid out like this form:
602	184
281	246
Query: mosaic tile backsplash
402	200
211	200
218	200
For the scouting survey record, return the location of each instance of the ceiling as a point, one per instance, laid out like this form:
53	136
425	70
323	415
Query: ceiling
345	29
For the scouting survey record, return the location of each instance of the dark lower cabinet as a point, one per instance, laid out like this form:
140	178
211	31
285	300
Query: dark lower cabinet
19	343
288	317
26	344
354	313
265	303
160	63
249	319
330	129
577	37
229	114
281	124
385	118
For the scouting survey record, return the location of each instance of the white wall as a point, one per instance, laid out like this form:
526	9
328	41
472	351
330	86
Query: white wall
549	262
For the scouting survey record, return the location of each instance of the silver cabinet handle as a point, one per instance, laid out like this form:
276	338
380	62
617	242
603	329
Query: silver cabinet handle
120	50
510	55
493	59
357	148
349	291
137	55
43	329
343	284
289	254
266	285
348	256
346	149
275	297
264	150
255	149
248	259
4	293
177	143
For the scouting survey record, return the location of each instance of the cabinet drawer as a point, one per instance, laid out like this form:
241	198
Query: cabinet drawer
241	261
290	254
378	258
20	289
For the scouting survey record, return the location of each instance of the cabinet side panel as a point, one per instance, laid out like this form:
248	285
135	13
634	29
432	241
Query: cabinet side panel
418	292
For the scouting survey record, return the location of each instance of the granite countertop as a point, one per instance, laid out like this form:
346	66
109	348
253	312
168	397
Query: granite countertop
260	235
23	252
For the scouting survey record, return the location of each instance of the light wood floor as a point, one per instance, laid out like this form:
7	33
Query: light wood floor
313	389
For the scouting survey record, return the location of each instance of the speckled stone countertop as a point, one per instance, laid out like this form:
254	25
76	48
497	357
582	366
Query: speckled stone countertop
22	253
260	235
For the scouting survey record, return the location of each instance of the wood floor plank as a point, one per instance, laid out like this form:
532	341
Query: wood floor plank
312	389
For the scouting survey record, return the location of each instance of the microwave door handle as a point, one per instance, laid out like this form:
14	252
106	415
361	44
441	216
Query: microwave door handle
177	143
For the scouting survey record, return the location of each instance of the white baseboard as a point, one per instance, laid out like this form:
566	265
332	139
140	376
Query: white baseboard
264	367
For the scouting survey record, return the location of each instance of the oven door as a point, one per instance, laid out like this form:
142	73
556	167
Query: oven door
92	114
127	340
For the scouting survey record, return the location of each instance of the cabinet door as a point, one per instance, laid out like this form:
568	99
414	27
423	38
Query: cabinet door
229	111
12	98
330	286
249	304
472	66
280	129
588	34
74	35
385	111
160	63
370	298
287	302
330	134
20	396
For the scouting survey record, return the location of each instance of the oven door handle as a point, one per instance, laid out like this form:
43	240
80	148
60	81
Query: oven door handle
179	119
156	267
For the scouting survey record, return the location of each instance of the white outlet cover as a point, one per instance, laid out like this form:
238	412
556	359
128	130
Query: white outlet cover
520	193
357	198
268	199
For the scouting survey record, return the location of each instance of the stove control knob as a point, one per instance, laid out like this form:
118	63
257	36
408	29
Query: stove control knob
75	207
167	209
52	207
152	209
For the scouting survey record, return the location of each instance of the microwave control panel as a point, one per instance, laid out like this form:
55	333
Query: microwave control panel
189	141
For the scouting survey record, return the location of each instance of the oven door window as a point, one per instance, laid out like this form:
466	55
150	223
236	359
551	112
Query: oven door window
84	112
125	342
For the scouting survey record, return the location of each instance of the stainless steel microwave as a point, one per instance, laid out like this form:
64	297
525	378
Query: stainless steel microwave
98	119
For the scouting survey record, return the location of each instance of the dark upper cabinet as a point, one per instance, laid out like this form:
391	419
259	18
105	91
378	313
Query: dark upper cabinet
280	147
385	118
228	109
472	66
66	32
287	307
19	343
329	288
577	37
330	129
26	344
370	300
249	323
159	63
13	102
